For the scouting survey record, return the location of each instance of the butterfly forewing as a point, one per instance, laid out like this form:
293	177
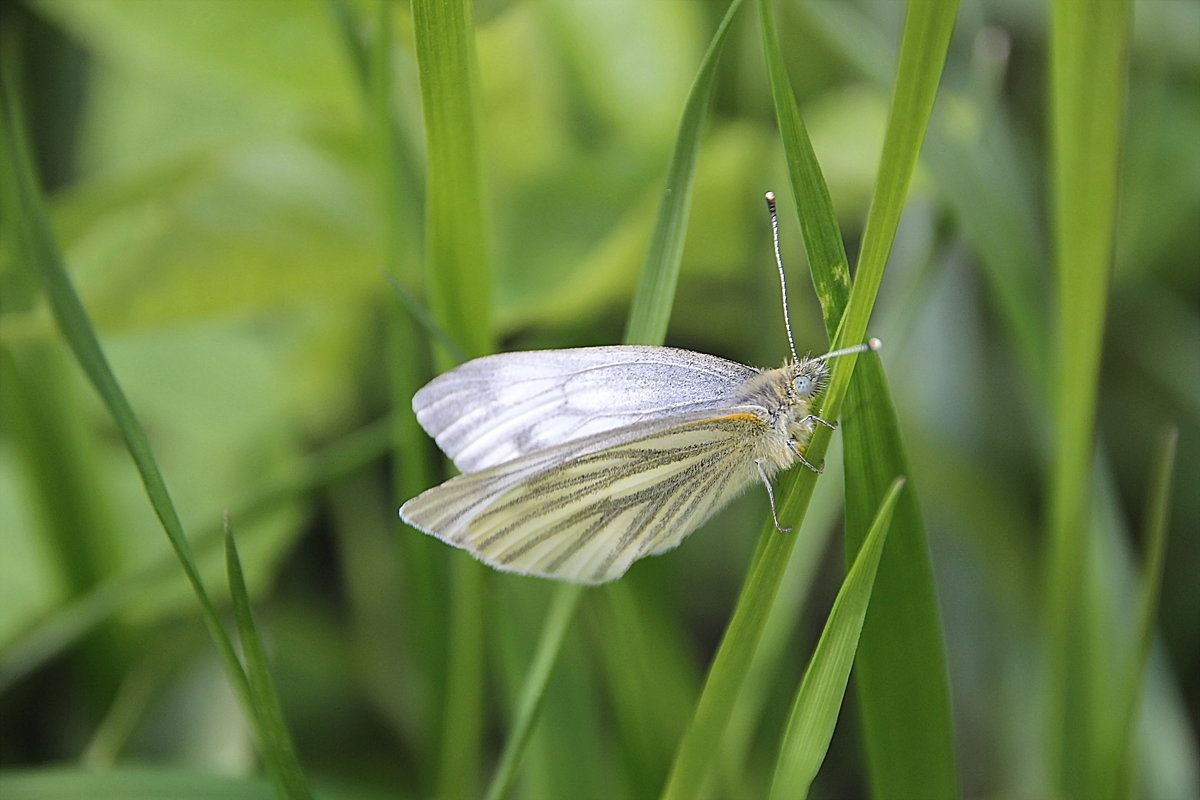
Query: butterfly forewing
587	509
497	408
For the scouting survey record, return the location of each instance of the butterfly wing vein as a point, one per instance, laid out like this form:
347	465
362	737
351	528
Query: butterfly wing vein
505	406
586	510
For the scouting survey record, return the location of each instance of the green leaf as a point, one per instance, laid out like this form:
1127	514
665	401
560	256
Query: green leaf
814	207
1116	773
126	784
457	265
902	682
533	691
458	281
22	207
279	754
902	678
647	323
1089	52
923	50
819	699
75	620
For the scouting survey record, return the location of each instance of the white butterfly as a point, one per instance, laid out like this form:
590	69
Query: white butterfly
576	463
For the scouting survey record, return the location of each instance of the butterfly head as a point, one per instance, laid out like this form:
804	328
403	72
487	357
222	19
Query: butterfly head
808	377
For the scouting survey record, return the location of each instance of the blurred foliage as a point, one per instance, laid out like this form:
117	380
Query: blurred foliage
219	205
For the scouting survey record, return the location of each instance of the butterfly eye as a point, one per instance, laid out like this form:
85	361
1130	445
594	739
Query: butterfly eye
804	385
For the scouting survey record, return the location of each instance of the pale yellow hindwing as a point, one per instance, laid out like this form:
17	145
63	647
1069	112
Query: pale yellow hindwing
581	514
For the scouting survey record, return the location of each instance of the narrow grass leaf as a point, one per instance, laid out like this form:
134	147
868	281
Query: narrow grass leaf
278	752
902	679
458	281
818	701
400	185
533	690
1089	53
647	324
69	623
1117	763
457	265
127	783
22	208
702	740
904	627
814	207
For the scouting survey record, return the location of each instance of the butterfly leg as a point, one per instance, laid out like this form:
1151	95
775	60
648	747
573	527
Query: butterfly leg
800	456
814	418
762	473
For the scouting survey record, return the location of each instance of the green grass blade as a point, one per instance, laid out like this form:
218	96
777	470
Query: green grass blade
924	42
399	189
127	783
533	690
457	272
22	208
647	324
902	679
904	626
68	624
458	281
819	699
814	207
1116	759
278	752
702	739
1089	51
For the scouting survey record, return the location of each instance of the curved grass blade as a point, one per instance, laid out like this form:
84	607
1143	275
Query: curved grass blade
1116	759
533	690
902	680
22	207
647	325
279	754
70	623
819	699
923	49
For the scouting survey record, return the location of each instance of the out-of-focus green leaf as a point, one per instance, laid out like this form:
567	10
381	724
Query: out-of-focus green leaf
1116	746
458	283
1089	52
127	784
819	699
278	752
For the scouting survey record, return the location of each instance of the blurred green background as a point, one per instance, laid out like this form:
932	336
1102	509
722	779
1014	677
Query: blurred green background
215	189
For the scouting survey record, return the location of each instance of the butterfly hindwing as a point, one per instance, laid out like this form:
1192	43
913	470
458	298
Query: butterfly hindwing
586	510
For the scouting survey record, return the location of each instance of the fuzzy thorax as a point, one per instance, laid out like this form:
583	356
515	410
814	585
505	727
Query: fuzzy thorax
786	395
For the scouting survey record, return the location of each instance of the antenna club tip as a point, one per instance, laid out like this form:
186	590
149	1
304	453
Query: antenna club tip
770	197
874	344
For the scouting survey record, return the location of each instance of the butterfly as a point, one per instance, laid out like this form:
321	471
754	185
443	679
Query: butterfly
575	463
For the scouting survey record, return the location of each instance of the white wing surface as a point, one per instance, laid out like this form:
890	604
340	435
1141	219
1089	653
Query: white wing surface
501	407
585	510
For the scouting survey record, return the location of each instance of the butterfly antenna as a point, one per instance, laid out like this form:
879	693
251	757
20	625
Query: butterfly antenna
787	321
870	344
